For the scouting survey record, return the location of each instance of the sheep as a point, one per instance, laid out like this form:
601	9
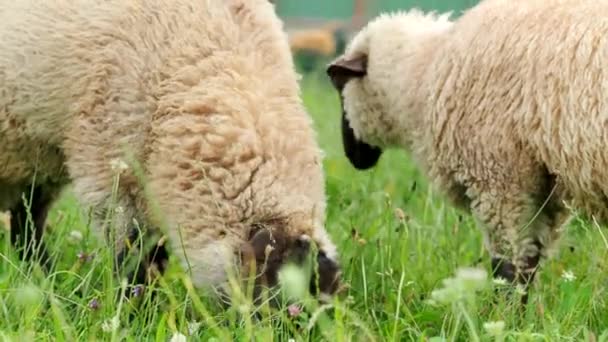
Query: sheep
503	108
193	106
309	46
326	40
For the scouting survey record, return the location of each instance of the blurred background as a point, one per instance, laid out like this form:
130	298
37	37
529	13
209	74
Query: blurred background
319	29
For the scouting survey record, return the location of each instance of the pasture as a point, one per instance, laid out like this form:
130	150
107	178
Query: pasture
398	241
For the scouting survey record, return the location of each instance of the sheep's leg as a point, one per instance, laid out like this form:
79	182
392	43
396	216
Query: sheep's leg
507	239
26	236
544	233
154	257
519	227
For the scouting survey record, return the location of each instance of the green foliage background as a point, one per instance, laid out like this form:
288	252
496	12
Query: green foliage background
343	9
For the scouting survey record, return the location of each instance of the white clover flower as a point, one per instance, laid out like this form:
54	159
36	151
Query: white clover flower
431	302
110	325
445	295
472	279
178	337
466	282
568	276
75	236
118	165
500	281
193	327
494	328
520	289
244	308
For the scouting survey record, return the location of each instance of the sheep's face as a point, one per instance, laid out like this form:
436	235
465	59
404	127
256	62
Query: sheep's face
379	81
359	128
271	250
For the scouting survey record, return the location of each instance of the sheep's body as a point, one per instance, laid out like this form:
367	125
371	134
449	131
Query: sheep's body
506	108
201	93
319	40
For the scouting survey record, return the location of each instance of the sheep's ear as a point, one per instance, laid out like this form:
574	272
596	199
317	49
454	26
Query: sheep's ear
254	249
345	68
327	281
300	249
262	243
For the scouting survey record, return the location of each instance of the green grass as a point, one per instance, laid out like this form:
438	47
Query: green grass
398	240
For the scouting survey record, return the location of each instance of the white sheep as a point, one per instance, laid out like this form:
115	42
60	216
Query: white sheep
201	95
505	108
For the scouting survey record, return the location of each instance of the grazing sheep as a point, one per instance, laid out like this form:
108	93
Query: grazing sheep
505	108
202	96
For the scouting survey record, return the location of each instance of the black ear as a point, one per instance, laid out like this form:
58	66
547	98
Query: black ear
328	278
360	154
265	249
266	244
345	68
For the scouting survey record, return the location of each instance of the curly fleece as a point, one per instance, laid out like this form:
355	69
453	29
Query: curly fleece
201	93
505	108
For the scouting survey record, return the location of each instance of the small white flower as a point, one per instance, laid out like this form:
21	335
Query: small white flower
193	327
445	295
431	301
466	283
568	276
494	328
244	308
75	236
110	325
119	210
500	281
520	289
118	165
178	337
472	278
291	340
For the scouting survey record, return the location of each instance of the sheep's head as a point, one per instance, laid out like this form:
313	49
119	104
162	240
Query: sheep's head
361	154
269	250
377	77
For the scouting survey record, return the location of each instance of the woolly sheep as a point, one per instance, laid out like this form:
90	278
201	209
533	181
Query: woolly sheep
201	94
313	45
504	108
327	39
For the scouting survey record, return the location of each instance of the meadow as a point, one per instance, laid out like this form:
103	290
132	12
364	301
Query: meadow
399	241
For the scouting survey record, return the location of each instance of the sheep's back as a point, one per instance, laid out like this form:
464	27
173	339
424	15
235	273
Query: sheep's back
111	65
524	82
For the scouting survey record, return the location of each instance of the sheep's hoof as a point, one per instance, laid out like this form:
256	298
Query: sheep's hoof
502	268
